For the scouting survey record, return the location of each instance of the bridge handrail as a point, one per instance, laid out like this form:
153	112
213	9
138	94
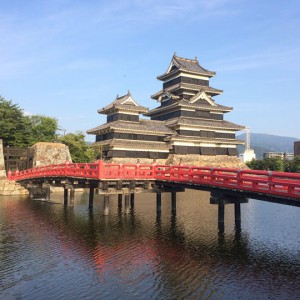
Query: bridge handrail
269	182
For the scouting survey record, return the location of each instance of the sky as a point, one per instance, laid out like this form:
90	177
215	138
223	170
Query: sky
68	58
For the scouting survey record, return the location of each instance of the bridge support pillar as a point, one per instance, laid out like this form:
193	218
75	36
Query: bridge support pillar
132	196
221	211
237	211
91	197
120	196
158	201
48	193
106	205
237	216
127	210
66	196
173	200
72	196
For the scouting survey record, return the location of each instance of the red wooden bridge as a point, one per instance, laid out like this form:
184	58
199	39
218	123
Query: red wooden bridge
278	184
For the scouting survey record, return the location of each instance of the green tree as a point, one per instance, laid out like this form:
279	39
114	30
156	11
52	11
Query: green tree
255	164
16	129
42	129
271	164
12	124
274	164
79	149
294	165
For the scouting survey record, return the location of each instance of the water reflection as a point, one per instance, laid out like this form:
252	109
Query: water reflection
49	251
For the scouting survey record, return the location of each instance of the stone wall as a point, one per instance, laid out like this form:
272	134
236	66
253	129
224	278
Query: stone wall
11	188
2	166
8	188
44	154
50	153
218	161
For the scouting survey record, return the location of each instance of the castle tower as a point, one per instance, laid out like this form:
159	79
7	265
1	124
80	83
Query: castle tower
125	135
188	108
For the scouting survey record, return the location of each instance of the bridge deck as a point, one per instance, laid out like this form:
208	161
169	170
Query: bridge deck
280	184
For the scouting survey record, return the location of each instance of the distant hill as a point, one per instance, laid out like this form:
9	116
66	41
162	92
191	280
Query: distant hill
268	143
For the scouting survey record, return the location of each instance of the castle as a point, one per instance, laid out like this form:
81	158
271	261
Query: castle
187	123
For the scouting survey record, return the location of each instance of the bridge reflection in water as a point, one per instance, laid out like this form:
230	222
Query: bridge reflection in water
227	185
70	251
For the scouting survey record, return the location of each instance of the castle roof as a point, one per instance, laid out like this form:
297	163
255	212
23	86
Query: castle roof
143	126
132	144
200	104
187	86
203	123
126	103
177	137
186	65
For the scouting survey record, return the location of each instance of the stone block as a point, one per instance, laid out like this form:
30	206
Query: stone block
50	153
2	166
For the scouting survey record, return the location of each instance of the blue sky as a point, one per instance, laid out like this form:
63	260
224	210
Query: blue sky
68	58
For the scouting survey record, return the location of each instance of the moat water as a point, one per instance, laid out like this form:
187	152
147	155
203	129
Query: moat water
48	251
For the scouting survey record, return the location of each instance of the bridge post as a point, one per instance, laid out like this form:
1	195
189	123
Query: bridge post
72	196
91	197
66	196
106	205
120	196
221	211
127	204
237	211
30	193
237	216
158	201
48	193
173	200
132	200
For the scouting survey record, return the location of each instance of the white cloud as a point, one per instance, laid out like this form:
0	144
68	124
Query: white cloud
260	59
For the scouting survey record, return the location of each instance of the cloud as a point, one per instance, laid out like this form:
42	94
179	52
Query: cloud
260	59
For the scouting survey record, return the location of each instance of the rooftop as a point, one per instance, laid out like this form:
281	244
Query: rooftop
188	86
145	126
145	145
200	104
204	123
125	102
185	64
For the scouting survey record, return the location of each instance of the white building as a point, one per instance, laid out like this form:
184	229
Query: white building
248	154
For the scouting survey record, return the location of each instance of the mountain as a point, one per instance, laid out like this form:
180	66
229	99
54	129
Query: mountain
268	143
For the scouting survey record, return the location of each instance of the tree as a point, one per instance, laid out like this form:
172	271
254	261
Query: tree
42	129
255	164
16	129
12	124
294	165
79	149
270	164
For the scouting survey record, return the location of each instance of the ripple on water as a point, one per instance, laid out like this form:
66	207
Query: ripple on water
48	251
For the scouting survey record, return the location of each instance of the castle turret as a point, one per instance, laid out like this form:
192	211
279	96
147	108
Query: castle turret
125	135
187	107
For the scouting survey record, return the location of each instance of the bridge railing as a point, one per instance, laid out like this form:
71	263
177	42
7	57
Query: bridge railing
127	171
90	170
97	170
276	183
279	183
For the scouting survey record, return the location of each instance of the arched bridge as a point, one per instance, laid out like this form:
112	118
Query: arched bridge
280	185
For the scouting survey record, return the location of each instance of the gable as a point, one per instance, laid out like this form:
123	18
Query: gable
129	101
202	96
